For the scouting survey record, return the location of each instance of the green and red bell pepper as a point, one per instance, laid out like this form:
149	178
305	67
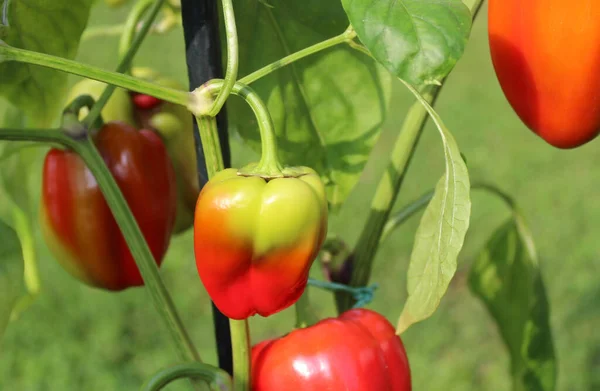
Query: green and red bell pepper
78	225
255	239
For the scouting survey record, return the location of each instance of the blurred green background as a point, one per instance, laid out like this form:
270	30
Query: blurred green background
78	338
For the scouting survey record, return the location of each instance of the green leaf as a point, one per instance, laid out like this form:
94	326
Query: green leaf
328	108
47	26
18	166
18	161
11	273
441	233
419	41
506	277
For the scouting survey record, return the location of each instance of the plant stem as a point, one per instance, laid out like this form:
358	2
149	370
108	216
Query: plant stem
209	133
305	315
131	25
129	228
128	47
404	214
217	379
241	355
139	249
412	208
9	53
268	166
388	188
55	136
102	31
232	58
346	36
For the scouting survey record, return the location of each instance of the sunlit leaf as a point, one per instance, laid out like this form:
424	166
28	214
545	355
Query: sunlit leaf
440	235
419	41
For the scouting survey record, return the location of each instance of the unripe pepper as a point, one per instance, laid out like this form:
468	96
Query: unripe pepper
78	225
255	238
358	351
175	125
546	54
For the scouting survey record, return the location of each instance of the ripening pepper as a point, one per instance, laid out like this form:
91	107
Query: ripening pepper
255	239
77	224
546	54
357	351
175	125
173	122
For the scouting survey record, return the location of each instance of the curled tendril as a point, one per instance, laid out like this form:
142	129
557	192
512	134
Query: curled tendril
217	379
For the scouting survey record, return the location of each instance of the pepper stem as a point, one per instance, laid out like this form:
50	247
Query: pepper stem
268	165
131	25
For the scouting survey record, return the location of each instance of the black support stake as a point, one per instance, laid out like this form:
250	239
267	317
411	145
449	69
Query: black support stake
203	55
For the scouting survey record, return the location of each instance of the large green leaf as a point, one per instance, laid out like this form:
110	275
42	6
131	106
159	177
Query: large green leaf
18	162
328	108
11	273
440	235
417	40
47	26
506	277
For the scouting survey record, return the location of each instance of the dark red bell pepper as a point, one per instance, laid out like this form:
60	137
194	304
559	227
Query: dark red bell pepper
77	224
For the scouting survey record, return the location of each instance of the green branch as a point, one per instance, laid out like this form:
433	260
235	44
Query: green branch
128	47
9	53
420	203
240	342
217	379
232	58
268	165
346	36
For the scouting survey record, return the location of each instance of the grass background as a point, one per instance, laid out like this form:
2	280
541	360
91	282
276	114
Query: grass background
78	338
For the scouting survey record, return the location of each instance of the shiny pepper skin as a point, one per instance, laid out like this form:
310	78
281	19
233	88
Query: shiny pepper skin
76	222
357	351
256	239
546	54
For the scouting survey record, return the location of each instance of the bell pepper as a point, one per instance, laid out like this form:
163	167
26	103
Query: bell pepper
175	125
357	351
255	239
76	222
546	57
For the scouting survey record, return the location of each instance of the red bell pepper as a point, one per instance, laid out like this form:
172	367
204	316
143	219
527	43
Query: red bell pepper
357	351
77	224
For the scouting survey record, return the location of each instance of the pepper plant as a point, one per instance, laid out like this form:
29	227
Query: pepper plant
137	158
